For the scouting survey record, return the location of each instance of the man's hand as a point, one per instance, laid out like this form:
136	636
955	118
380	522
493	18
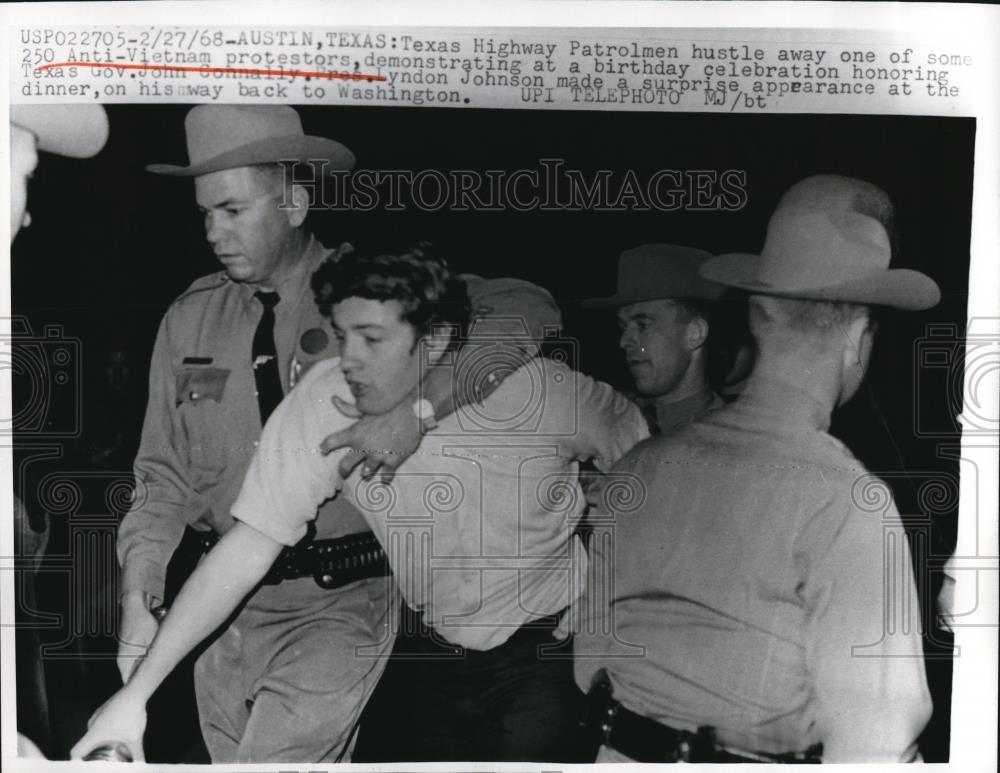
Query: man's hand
382	442
138	627
122	719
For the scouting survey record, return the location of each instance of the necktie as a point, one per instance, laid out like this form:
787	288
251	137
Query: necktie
265	358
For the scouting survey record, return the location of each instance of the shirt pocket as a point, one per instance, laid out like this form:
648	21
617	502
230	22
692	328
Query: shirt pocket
203	412
196	385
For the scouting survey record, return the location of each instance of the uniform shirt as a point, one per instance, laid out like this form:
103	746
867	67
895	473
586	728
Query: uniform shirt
661	419
479	523
203	422
670	417
744	587
665	418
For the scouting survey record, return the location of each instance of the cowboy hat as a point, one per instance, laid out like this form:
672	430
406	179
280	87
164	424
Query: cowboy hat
228	136
655	271
77	131
819	247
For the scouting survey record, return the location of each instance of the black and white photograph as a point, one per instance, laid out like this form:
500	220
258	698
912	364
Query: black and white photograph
438	433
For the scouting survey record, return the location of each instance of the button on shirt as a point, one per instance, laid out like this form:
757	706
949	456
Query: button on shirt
479	523
751	591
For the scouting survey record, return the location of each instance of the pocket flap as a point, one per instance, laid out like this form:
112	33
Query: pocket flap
197	384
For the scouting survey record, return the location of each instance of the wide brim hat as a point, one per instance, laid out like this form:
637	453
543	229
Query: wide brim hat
230	136
77	131
819	247
652	272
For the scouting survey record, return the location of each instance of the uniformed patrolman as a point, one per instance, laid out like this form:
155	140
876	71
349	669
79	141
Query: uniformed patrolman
746	615
283	682
665	312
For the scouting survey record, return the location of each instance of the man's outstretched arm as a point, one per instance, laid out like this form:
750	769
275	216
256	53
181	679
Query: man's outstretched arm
220	583
285	483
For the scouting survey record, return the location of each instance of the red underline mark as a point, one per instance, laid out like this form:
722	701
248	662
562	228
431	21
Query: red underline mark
346	76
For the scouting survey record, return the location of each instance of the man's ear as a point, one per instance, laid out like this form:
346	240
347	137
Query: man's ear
696	332
298	206
860	340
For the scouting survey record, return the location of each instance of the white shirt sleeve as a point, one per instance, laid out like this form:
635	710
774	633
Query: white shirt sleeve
592	421
288	477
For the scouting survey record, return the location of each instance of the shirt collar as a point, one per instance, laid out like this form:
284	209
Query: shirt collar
293	286
782	398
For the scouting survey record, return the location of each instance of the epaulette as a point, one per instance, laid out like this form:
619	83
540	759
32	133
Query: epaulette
202	284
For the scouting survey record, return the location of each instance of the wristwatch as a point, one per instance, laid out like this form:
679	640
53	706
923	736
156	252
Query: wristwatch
424	411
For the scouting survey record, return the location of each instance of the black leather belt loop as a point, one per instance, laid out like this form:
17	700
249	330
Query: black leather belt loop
332	563
644	740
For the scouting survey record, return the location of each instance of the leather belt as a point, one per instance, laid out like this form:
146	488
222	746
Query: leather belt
332	563
642	739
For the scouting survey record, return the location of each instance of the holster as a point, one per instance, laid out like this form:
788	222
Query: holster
607	722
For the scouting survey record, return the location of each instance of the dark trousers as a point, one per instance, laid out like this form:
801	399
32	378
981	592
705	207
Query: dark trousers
437	702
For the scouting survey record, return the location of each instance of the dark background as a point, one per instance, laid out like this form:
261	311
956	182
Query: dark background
110	246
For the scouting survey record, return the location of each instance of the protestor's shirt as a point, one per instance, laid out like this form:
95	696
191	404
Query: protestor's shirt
757	579
202	420
479	523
